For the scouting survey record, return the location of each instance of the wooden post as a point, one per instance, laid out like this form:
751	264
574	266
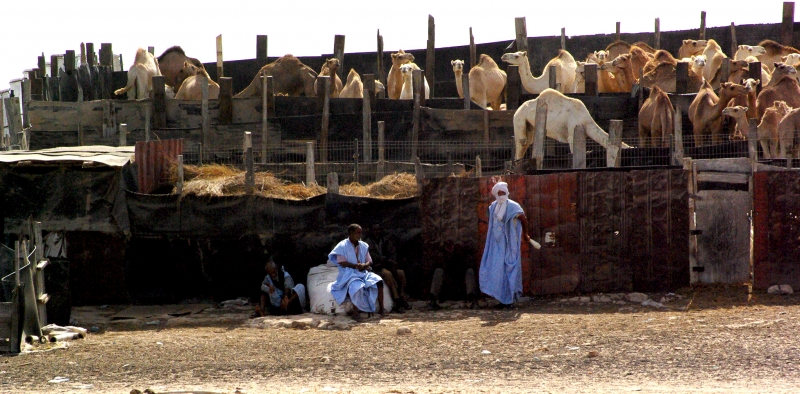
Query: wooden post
418	172
42	66
725	70
657	39
338	52
590	79
15	340
220	71
333	183
250	174
755	73
123	134
381	74
617	36
478	167
430	55
734	44
540	131
564	38
787	23
512	88
326	102
3	144
264	120
702	25
682	78
151	50
473	54
415	125
418	85
159	103
204	113
39	263
147	115
465	89
579	147
677	124
106	55
366	124
381	168
752	139
261	51
69	61
553	78
355	160
521	31
14	120
614	144
91	57
368	82
225	100
26	98
83	54
179	186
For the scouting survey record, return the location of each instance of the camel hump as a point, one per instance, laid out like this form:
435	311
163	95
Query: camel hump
486	61
567	58
618	43
173	49
141	56
772	47
713	44
352	75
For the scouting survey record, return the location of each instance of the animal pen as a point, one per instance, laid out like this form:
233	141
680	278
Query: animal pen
610	219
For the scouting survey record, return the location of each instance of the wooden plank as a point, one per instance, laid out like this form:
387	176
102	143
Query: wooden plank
69	61
657	36
159	103
787	23
220	65
91	57
465	89
473	54
26	98
590	79
310	175
614	144
338	52
261	50
225	103
513	83
734	43
540	131
430	55
723	247
741	165
702	25
326	100
579	147
14	119
723	177
564	38
677	132
521	34
682	78
204	113
106	55
724	70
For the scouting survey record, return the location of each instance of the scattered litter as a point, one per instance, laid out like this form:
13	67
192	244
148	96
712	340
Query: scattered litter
573	348
159	344
593	353
486	352
241	301
82	386
58	379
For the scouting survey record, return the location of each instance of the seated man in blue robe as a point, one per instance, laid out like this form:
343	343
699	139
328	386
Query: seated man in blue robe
500	274
355	280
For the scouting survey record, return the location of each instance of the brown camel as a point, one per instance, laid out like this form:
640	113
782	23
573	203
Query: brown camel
622	68
738	71
780	70
788	133
656	120
739	114
774	53
171	63
785	89
394	82
768	132
691	48
190	87
749	100
644	46
330	68
661	56
486	81
714	57
706	110
617	48
354	88
290	77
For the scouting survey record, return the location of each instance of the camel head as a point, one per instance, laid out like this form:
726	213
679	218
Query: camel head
731	90
699	60
406	71
379	87
693	47
401	57
515	58
580	69
737	65
332	64
782	69
781	108
622	61
735	112
458	65
601	56
751	84
791	59
752	50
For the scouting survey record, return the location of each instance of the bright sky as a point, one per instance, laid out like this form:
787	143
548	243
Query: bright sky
306	28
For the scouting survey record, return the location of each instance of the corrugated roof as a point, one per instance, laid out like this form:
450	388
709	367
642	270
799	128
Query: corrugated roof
109	155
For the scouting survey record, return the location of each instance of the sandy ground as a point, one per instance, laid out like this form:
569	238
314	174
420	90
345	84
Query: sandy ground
712	340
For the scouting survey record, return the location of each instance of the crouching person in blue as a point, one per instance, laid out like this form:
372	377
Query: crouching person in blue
356	280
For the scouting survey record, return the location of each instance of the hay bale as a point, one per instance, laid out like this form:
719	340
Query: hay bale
393	186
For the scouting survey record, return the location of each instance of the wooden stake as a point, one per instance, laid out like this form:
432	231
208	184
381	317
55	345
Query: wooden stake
261	51
614	144
323	136
123	134
677	152
159	103
381	168
91	57
366	124
540	131
204	112
225	100
430	56
787	23
220	71
702	25
478	167
657	44
179	186
725	70
682	78
734	44
465	89
333	183
553	78
564	38
264	120
338	52
473	54
521	31
590	79
83	54
579	147
512	88
617	36
752	137
381	75
106	55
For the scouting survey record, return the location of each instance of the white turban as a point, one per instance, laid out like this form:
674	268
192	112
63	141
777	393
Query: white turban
502	201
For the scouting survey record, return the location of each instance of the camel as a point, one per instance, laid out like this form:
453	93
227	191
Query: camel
330	68
354	88
744	51
714	56
644	46
486	81
140	76
289	76
600	56
664	77
788	133
792	59
617	48
661	56
739	69
407	93
774	52
739	114
781	70
170	63
605	80
565	71
563	114
394	81
622	69
706	109
190	88
691	48
768	133
749	100
785	89
639	54
656	119
639	58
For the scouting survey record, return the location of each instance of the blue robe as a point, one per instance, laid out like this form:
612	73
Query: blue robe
360	286
501	264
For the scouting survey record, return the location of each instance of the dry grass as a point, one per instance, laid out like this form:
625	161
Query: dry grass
224	180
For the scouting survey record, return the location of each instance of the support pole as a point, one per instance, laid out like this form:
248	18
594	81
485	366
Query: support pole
333	183
381	73
249	176
657	43
521	32
220	71
702	25
617	36
787	23
677	151
473	54
465	89
614	144
366	116
430	55
261	50
264	120
734	43
159	103
540	131
147	110
579	147
381	168
590	79
682	78
326	102
205	114
564	38
123	134
338	52
478	167
513	83
225	100
553	78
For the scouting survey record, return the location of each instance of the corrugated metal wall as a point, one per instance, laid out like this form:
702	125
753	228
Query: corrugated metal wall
153	161
777	229
602	231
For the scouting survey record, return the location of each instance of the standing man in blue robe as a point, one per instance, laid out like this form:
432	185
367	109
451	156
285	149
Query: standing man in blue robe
355	280
501	265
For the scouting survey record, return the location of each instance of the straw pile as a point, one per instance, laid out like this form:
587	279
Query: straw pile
222	180
392	186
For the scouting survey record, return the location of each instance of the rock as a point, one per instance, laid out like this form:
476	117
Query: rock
403	330
524	299
94	329
575	299
601	298
585	299
593	353
637	297
486	352
305	323
620	302
780	289
652	304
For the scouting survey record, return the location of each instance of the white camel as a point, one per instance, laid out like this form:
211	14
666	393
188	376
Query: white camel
565	71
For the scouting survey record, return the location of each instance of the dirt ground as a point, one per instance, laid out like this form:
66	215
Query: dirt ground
710	340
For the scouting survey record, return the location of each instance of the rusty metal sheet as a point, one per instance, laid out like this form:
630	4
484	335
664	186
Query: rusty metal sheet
778	252
723	248
153	161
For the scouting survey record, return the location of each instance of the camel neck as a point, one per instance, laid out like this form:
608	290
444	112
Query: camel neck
459	85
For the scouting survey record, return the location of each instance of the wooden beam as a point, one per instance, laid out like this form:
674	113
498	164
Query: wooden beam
465	89
702	25
657	39
338	52
724	70
261	51
617	36
430	55
521	33
734	43
682	78
579	147
740	165
106	55
540	131
159	103
787	23
513	83
590	79
325	81
333	183
225	100
677	132
14	120
723	177
418	85
614	144
473	54
220	64
564	38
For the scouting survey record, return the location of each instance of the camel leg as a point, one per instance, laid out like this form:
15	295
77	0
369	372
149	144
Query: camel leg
697	131
765	147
